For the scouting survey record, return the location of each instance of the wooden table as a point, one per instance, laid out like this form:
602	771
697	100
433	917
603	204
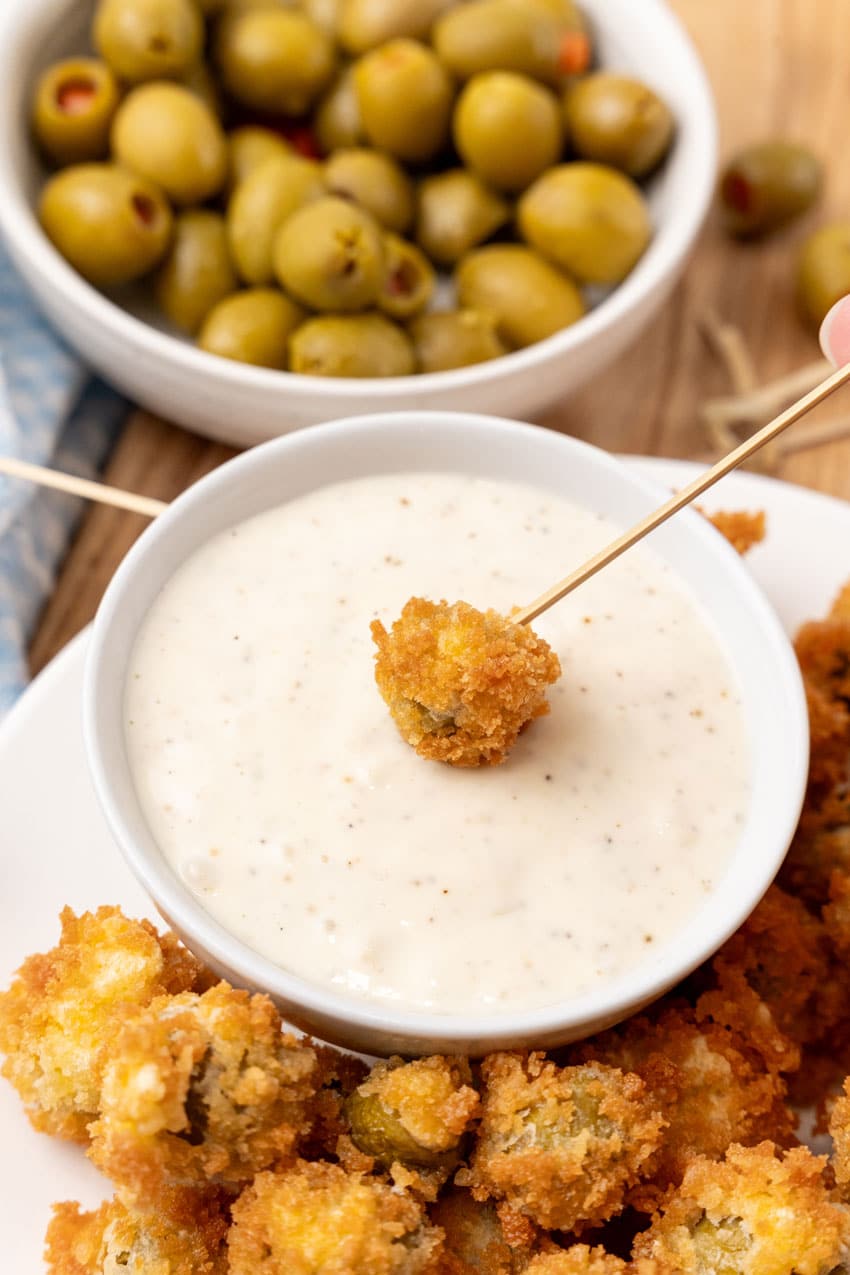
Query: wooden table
779	68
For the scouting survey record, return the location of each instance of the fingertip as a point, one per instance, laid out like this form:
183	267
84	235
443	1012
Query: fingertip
835	333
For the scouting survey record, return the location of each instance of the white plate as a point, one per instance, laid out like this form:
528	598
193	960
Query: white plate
55	848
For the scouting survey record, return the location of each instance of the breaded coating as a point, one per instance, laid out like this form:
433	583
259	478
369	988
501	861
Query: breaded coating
784	954
711	1083
836	917
460	683
64	1005
316	1219
742	528
186	1236
578	1260
756	1213
202	1089
839	1128
477	1239
415	1113
562	1145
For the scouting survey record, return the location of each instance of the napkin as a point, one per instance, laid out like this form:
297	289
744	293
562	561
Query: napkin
52	412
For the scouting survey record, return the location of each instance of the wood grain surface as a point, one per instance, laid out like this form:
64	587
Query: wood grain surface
779	68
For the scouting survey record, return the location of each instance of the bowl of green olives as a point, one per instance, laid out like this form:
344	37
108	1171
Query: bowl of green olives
256	215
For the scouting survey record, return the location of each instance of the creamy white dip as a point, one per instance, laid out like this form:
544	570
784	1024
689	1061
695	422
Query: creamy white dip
276	785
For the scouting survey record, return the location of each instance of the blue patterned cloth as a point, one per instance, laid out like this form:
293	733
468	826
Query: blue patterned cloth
51	413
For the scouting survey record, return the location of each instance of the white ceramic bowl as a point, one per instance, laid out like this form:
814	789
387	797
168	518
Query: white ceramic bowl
746	626
244	405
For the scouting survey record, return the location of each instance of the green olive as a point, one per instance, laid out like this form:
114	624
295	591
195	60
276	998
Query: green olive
409	279
590	220
405	97
330	255
766	186
823	271
529	298
455	338
508	129
274	60
148	39
260	205
249	148
376	182
165	133
72	111
378	1132
618	121
198	271
337	121
501	35
111	225
457	212
325	14
365	24
252	327
360	345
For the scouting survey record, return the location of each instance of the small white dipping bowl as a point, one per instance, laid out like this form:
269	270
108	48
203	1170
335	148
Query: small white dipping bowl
132	346
744	624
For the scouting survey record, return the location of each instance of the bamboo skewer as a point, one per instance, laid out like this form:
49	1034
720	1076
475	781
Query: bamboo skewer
73	486
684	497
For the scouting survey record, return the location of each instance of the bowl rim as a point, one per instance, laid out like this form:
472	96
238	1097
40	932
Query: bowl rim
374	1020
19	28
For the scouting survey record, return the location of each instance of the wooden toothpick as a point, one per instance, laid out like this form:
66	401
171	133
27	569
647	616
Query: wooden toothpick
73	486
684	497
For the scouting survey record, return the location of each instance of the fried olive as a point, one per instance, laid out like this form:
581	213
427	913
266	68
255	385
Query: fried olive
198	271
73	108
409	279
529	298
589	219
337	121
252	327
351	345
455	338
415	1113
364	24
618	121
374	181
767	186
507	129
274	60
260	205
148	39
330	255
111	225
405	98
457	212
165	133
502	35
823	271
250	147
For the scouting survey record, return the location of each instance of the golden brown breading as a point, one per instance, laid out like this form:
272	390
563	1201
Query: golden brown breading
482	1240
836	915
316	1219
742	528
64	1005
752	1214
460	683
562	1145
711	1083
200	1089
839	1128
783	952
185	1236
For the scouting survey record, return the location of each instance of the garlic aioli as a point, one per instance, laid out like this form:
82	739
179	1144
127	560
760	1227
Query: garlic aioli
274	781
